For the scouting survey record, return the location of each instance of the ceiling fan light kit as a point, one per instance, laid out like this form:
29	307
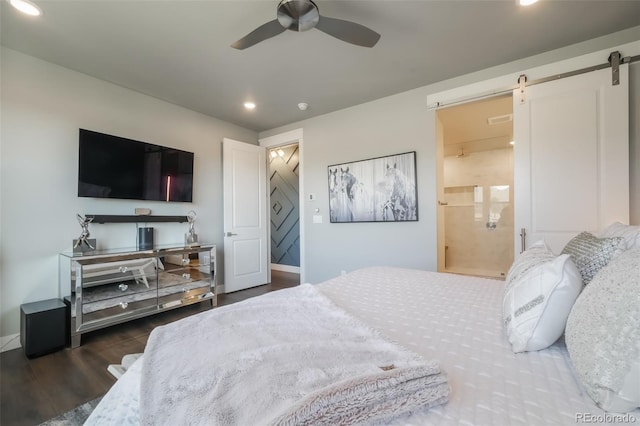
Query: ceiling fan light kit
303	15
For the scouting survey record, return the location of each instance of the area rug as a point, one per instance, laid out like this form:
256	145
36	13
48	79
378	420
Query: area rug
74	417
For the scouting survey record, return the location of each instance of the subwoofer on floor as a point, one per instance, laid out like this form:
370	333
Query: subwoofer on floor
43	327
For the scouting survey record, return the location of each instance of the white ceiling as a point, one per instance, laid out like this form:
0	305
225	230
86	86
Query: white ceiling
178	50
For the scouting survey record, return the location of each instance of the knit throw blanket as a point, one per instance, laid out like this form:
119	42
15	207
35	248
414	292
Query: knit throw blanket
289	357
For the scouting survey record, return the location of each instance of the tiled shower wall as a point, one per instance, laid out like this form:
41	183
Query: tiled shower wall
479	215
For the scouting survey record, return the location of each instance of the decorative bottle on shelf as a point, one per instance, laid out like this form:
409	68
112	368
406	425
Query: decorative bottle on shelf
145	238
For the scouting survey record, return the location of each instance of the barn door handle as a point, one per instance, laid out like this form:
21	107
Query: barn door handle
523	239
443	203
230	234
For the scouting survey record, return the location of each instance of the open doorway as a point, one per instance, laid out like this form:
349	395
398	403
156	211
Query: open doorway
286	206
284	189
475	187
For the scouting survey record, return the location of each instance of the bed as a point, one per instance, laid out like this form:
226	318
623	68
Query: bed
456	321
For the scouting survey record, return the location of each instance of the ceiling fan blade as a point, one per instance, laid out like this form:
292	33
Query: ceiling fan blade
263	32
348	31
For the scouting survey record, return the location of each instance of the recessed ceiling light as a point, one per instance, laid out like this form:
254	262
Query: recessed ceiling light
302	106
527	2
512	143
249	105
26	7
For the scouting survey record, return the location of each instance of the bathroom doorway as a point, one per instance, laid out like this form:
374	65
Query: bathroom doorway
475	187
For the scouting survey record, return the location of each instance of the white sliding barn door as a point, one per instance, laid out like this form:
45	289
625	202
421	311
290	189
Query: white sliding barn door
571	157
245	215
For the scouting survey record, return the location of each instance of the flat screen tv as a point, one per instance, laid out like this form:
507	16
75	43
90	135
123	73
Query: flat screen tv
115	167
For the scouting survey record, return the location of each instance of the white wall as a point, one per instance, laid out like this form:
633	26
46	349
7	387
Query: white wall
391	125
43	105
402	123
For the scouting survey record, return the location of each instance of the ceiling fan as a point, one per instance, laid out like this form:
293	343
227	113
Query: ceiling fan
302	15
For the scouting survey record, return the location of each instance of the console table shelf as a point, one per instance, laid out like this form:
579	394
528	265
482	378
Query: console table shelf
112	218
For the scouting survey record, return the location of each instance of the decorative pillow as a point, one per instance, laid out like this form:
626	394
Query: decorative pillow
539	292
630	233
603	335
590	253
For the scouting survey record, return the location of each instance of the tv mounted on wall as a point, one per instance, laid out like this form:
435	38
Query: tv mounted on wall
115	167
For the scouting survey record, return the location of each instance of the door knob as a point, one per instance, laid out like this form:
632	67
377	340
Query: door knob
230	234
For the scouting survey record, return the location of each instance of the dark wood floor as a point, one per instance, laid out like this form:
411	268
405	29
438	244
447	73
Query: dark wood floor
32	391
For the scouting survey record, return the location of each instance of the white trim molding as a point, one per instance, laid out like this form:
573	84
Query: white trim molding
506	83
292	136
10	342
285	268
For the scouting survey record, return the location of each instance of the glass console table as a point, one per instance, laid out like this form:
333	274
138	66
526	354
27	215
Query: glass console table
106	287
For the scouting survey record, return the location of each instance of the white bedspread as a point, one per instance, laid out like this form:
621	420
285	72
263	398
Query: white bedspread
251	362
455	320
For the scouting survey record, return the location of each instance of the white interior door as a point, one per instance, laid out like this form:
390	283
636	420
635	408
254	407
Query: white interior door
571	157
245	215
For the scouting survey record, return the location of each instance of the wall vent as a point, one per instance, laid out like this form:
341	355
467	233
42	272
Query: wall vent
500	119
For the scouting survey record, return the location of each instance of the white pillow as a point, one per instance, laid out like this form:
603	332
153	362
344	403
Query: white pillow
630	233
539	293
603	334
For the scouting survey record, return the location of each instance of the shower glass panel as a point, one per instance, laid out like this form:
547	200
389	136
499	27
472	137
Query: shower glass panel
478	213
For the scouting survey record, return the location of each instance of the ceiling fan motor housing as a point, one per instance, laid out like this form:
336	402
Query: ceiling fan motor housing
298	15
303	15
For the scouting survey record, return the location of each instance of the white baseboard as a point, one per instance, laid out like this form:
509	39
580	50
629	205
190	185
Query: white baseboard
285	268
10	342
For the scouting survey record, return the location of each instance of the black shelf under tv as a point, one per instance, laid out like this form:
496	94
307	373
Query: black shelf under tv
112	218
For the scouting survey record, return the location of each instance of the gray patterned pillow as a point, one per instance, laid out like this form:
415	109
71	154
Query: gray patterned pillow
590	253
603	334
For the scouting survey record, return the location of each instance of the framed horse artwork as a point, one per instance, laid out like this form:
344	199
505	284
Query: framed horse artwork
381	189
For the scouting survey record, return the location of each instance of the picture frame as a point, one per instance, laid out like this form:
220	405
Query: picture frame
381	189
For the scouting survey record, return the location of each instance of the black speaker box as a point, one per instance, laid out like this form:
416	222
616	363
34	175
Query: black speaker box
43	327
145	238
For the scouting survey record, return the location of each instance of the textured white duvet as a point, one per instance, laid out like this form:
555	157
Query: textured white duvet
454	320
290	357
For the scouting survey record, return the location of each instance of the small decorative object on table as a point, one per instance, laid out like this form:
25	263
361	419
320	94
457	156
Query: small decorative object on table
84	243
191	238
